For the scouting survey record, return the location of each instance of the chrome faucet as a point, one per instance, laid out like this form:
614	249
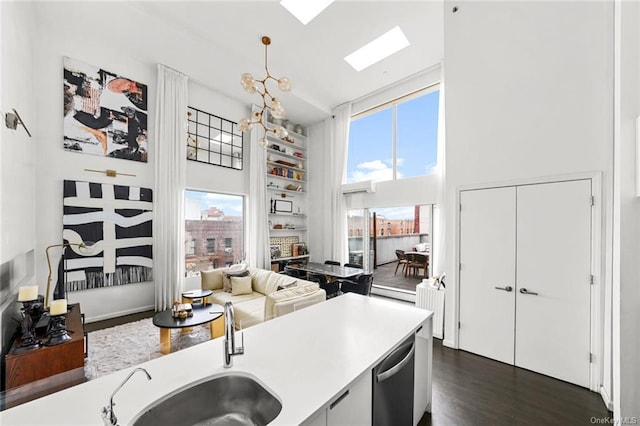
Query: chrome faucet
229	343
108	415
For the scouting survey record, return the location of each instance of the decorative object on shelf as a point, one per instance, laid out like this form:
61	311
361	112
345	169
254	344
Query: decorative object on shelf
275	251
28	295
269	103
282	206
298	129
292	187
57	323
284	243
104	114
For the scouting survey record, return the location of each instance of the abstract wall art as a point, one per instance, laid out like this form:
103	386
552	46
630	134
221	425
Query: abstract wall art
104	114
116	222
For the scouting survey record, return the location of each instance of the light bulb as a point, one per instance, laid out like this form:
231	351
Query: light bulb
263	142
248	83
280	132
277	110
244	125
284	84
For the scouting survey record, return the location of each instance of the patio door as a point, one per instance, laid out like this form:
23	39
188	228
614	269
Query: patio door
376	233
358	221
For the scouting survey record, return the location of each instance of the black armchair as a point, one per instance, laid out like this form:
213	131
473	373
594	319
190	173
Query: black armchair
331	288
362	285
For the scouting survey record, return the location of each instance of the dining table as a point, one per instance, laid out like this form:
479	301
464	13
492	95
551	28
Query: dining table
335	271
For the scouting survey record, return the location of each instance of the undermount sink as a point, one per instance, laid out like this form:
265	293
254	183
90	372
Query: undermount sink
222	400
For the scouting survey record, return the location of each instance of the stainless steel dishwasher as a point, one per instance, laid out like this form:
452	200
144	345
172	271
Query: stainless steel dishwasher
393	387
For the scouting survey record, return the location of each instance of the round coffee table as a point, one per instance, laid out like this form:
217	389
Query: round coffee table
202	314
191	296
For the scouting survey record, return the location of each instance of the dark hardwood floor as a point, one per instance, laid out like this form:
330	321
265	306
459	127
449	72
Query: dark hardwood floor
472	390
99	325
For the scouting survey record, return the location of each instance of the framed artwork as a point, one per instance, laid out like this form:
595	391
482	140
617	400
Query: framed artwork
275	251
283	206
117	219
104	113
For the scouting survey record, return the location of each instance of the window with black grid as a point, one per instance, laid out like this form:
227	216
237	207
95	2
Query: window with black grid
213	140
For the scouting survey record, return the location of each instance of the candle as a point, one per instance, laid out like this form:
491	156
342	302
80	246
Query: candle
27	293
58	307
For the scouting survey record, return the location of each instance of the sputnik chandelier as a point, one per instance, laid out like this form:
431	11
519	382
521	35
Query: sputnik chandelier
269	103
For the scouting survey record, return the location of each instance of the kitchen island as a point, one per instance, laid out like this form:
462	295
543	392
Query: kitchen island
307	359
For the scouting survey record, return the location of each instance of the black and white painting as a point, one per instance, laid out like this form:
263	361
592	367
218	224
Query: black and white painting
104	113
115	222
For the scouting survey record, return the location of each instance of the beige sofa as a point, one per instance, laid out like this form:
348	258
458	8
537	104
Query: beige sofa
261	295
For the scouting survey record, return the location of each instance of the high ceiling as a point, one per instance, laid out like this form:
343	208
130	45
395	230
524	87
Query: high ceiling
214	42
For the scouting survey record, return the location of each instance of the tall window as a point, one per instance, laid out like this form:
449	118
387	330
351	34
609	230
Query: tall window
395	140
211	217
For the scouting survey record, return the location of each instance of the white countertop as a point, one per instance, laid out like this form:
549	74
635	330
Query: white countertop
305	359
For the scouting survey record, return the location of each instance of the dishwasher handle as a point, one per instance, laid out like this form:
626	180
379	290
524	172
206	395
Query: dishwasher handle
396	368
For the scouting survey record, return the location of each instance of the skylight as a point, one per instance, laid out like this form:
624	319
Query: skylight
305	10
386	45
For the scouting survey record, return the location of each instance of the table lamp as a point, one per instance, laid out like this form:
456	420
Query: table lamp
85	249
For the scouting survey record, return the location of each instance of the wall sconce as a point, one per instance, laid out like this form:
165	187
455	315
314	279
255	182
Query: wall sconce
12	119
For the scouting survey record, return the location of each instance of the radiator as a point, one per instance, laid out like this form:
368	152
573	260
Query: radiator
432	299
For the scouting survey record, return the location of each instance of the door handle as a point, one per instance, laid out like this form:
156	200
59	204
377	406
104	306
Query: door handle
525	291
507	288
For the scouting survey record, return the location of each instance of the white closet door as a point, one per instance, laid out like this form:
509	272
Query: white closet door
554	261
487	257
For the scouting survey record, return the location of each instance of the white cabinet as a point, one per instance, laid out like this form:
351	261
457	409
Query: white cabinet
351	407
287	194
422	379
525	275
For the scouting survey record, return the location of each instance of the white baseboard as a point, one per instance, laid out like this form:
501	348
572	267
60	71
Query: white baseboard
449	344
395	294
119	314
605	397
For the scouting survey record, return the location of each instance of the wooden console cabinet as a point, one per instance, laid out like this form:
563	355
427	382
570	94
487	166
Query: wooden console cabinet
34	365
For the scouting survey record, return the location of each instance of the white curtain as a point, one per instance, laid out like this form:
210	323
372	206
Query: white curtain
339	139
170	170
439	219
258	254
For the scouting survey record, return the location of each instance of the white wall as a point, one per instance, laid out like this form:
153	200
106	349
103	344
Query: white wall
529	94
626	293
17	159
64	31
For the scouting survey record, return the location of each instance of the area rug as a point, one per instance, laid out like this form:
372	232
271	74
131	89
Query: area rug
127	345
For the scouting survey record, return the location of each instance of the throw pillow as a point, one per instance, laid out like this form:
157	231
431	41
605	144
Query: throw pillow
226	280
241	285
211	280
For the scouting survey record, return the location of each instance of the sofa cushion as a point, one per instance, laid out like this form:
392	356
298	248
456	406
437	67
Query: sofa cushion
249	313
260	279
241	285
212	280
226	279
279	280
221	297
284	301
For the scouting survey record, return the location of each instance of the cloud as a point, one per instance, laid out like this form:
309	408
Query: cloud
375	170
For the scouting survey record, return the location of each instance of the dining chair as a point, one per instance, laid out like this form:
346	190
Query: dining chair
353	265
332	262
402	260
361	285
417	261
331	288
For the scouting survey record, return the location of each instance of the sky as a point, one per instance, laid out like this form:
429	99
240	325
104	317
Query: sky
231	205
370	141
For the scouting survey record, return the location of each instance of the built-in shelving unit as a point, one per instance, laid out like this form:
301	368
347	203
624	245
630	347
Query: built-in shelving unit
287	191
